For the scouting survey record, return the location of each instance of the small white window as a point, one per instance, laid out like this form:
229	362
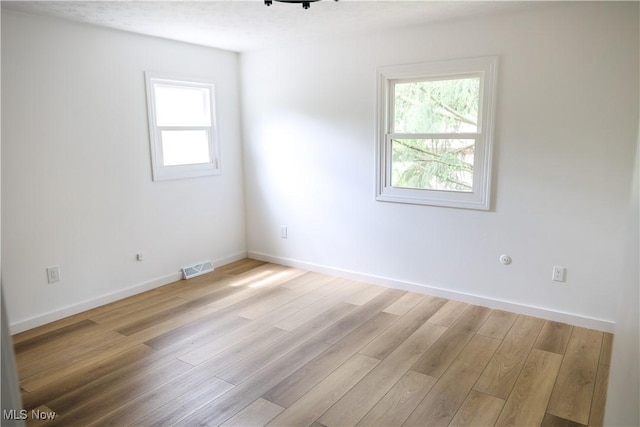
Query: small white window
182	127
435	123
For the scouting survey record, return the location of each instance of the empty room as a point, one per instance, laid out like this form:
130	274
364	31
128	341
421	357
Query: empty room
320	213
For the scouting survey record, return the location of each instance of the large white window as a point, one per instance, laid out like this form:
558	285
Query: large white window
182	127
435	124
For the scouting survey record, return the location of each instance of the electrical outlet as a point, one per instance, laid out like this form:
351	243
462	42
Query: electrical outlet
559	274
283	232
53	274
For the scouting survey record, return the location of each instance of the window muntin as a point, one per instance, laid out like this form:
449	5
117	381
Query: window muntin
435	130
183	135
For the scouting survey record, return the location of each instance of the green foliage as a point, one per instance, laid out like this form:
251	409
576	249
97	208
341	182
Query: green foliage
434	164
442	106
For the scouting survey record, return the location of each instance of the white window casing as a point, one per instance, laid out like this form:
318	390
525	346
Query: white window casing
478	196
182	127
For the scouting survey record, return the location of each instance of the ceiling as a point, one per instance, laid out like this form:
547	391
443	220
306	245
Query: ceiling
244	25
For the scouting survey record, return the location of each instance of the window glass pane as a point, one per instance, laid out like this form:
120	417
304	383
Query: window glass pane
182	105
433	164
185	147
437	106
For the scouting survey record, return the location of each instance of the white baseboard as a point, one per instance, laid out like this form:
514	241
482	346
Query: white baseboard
543	313
52	316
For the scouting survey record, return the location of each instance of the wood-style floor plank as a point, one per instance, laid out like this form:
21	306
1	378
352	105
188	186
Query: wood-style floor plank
272	303
323	286
573	391
242	266
365	295
302	380
316	401
138	370
445	398
254	343
185	405
478	409
347	288
259	413
80	328
98	404
389	340
438	358
209	325
498	324
404	303
84	375
241	371
607	346
354	405
554	337
553	421
157	397
59	373
228	345
360	315
33	364
42	331
394	408
246	288
243	350
596	416
448	313
503	370
127	314
236	399
527	403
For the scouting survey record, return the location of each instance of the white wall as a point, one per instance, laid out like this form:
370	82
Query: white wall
566	122
76	174
623	393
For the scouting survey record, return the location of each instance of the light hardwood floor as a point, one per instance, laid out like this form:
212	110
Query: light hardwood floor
261	344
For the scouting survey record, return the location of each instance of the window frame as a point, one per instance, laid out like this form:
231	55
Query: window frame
160	172
479	198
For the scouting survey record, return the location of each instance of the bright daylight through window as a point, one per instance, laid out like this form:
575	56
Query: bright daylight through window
434	137
182	128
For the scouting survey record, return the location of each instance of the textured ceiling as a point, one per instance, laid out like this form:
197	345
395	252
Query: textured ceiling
243	25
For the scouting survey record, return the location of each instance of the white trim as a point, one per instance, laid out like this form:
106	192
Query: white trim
513	307
52	316
486	69
159	170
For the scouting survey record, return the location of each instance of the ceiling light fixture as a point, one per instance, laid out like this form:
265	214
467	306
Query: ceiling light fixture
306	4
